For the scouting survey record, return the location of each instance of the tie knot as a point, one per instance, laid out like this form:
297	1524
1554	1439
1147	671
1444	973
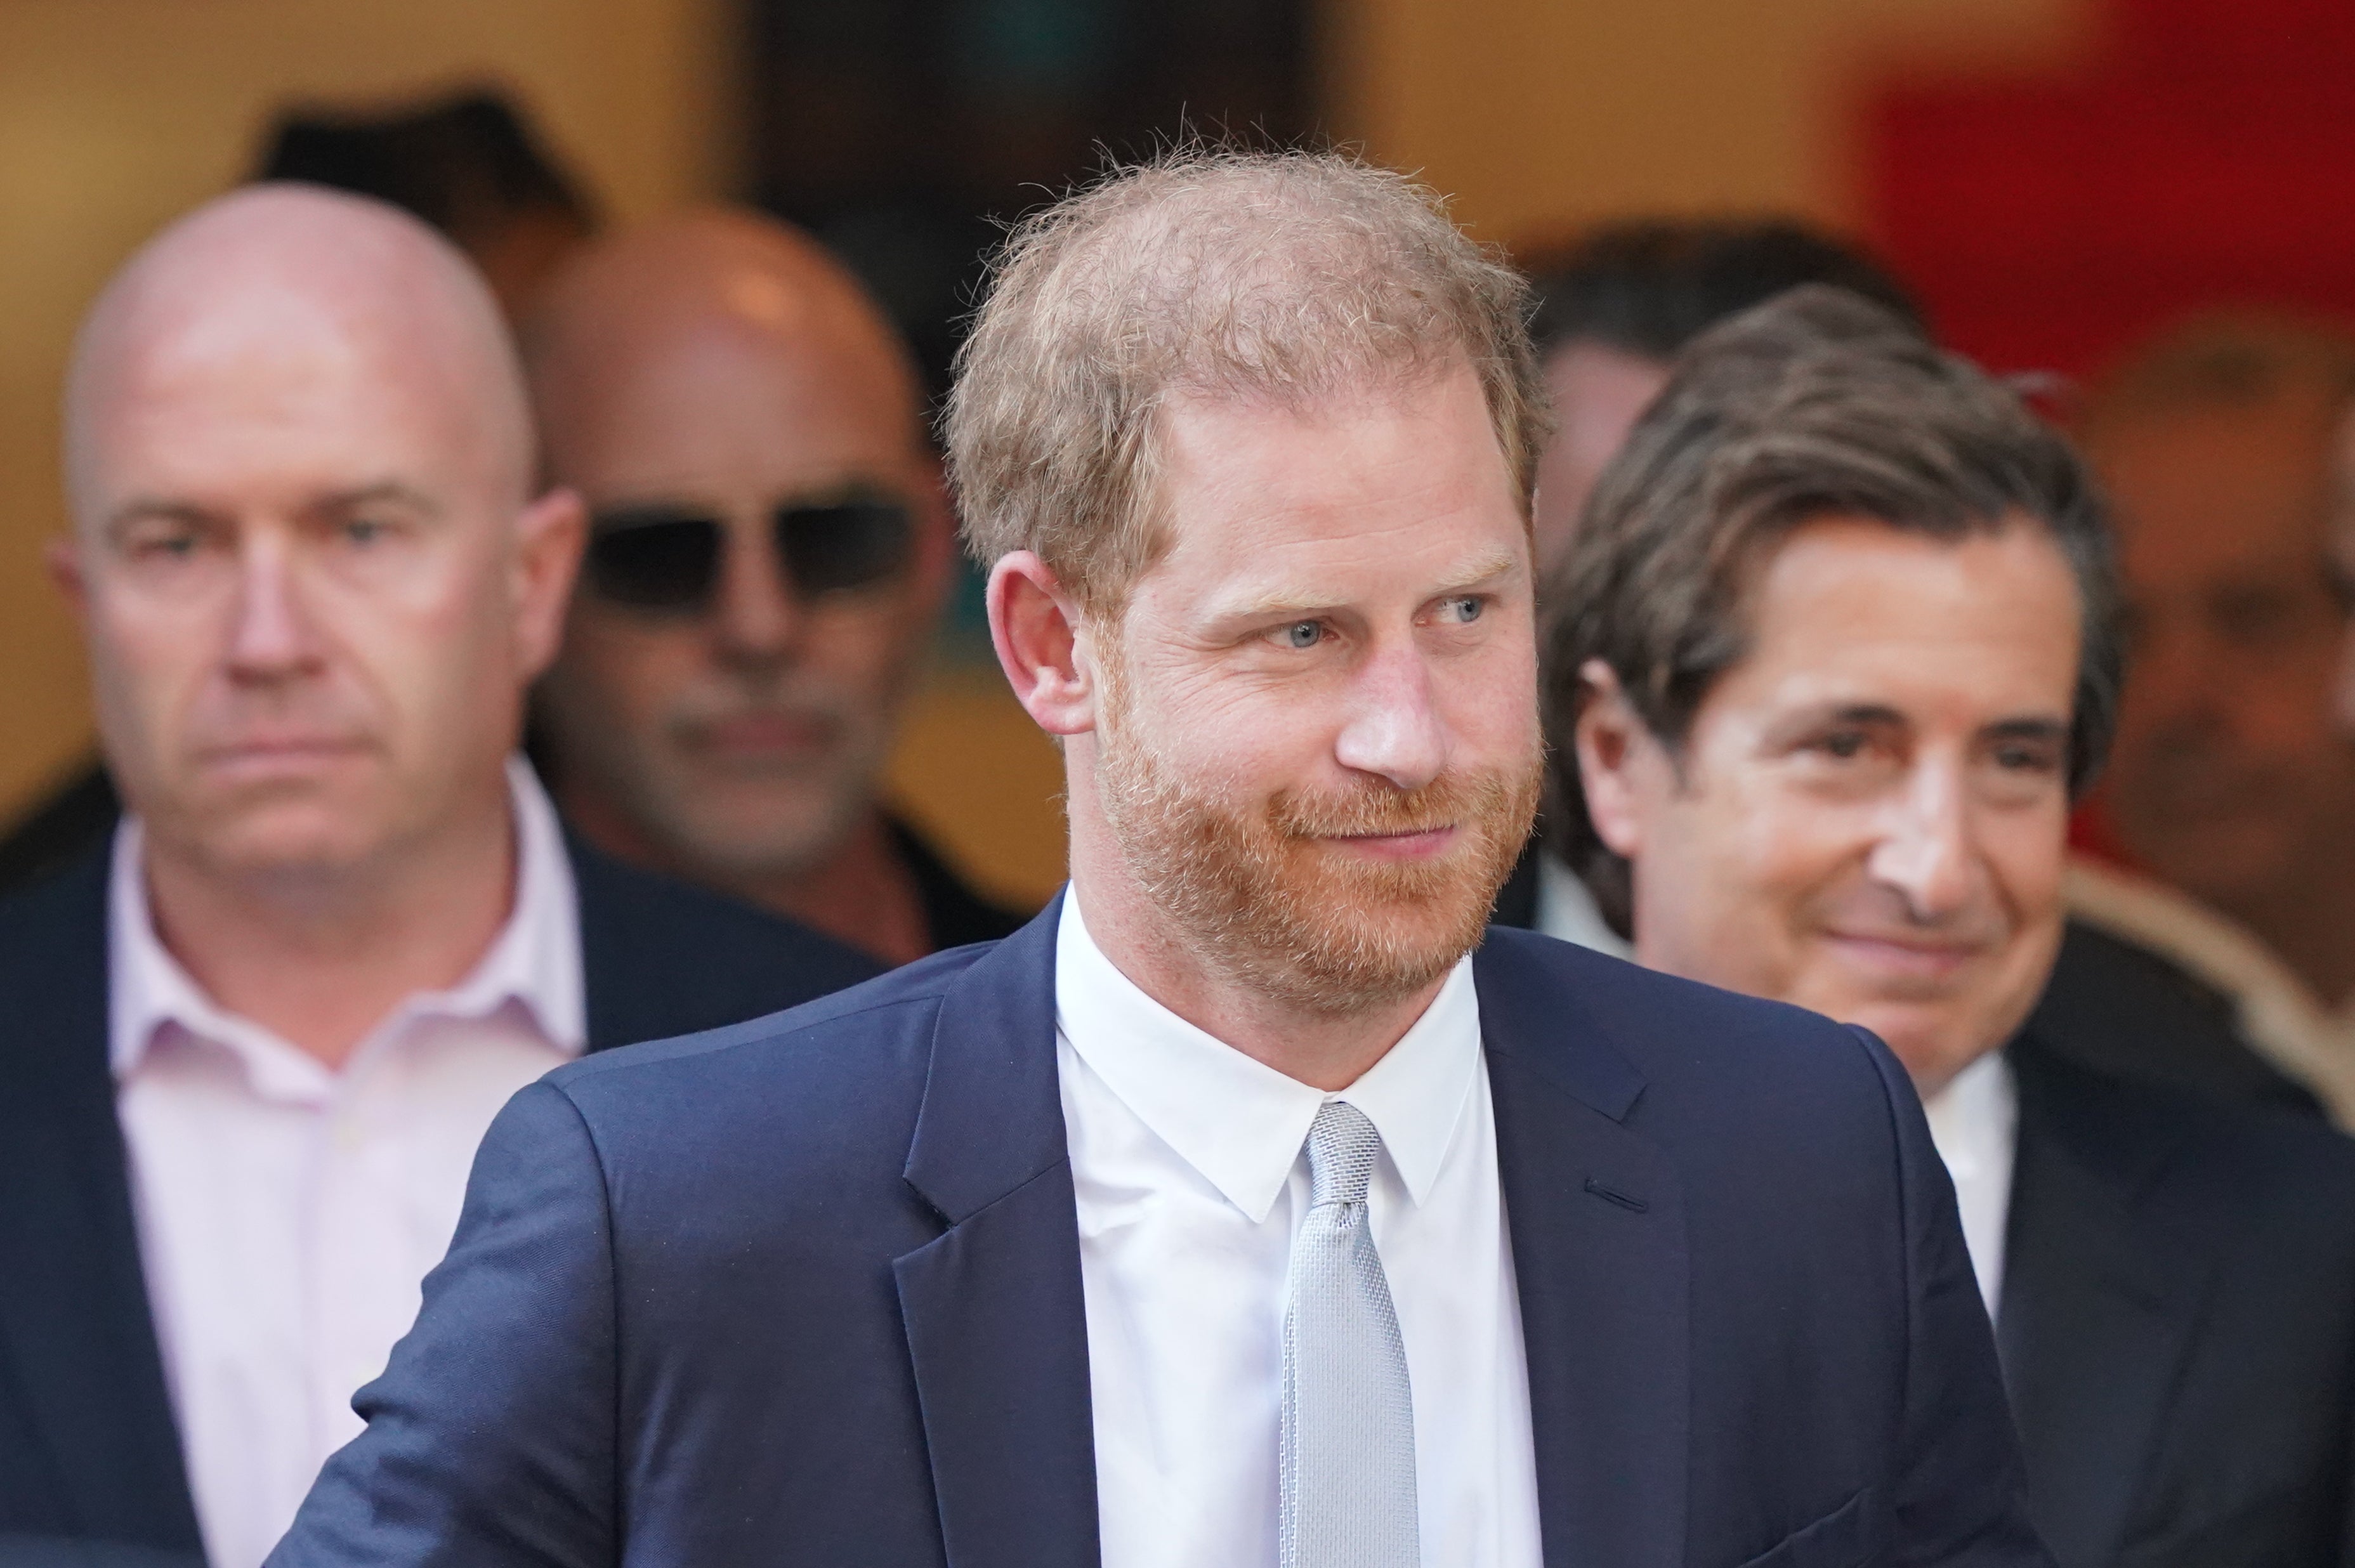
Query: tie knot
1342	1145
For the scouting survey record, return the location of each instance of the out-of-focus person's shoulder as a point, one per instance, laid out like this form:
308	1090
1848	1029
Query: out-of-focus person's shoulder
2272	1162
1710	1061
53	969
2121	1007
662	957
64	905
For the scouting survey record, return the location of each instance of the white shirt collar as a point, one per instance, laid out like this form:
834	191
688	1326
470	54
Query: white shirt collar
1974	1123
534	961
1238	1122
1567	911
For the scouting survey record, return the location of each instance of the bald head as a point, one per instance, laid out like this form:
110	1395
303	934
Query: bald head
312	579
710	299
276	272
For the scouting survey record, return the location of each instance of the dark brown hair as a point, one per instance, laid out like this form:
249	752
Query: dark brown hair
1817	402
1649	286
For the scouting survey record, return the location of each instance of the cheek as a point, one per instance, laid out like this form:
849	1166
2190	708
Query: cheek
2027	856
153	658
1230	734
438	647
627	670
1766	863
863	646
1492	706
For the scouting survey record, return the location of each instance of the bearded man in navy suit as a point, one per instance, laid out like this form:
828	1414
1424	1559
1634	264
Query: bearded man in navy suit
1247	1207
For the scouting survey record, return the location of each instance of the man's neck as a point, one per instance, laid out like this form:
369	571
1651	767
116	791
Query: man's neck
862	893
1325	1050
321	958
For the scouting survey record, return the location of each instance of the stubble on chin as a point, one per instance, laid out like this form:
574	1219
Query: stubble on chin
1253	885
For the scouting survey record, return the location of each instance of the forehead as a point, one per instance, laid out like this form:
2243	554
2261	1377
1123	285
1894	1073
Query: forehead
230	406
2201	486
1594	380
1338	497
718	403
1970	630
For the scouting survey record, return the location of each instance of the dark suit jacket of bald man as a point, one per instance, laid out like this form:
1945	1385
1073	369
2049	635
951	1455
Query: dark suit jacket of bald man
808	1291
90	1470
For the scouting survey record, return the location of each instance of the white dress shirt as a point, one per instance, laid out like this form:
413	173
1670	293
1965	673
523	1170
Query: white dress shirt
1187	1161
286	1212
1568	912
1975	1122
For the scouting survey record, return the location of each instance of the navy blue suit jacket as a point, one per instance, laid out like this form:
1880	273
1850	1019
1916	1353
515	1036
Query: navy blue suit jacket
90	1471
806	1291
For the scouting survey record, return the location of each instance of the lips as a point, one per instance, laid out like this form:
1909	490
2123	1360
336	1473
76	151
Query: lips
1409	843
1908	957
280	751
758	735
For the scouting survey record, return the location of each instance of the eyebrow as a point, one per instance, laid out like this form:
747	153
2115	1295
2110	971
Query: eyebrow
1285	601
2028	730
392	490
1879	714
141	508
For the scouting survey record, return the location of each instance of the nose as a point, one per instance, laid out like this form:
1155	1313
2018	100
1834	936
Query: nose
1395	730
272	637
754	620
1926	853
2174	678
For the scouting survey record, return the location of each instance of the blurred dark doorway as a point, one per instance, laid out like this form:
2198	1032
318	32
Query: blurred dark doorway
898	130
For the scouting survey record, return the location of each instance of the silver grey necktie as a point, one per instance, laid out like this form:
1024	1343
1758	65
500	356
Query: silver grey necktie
1348	1441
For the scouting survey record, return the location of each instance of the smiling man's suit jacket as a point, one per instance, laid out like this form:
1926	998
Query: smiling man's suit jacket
90	1469
808	1291
2178	1323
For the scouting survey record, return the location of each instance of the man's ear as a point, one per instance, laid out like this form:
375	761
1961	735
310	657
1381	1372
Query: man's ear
1036	629
1619	760
550	534
62	556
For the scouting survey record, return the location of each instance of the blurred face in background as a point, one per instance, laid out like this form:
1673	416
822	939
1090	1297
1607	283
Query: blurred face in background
1316	747
769	548
1868	817
1598	392
312	590
2231	777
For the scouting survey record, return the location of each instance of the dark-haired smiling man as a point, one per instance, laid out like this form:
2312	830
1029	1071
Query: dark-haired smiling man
1831	656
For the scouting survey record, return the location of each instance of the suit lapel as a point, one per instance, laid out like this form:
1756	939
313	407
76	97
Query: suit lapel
77	1343
1599	1255
2102	1292
995	1317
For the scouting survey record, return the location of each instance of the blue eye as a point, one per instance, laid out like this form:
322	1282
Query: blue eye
1464	608
1303	635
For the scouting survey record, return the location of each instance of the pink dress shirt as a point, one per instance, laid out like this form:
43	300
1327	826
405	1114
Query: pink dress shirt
287	1213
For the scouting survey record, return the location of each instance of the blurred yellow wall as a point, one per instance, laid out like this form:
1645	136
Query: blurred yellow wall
117	114
1538	115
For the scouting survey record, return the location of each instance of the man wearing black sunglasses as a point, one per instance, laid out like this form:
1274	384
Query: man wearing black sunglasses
768	551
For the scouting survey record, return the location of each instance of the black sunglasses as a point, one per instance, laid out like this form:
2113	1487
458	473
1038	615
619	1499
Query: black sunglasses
664	557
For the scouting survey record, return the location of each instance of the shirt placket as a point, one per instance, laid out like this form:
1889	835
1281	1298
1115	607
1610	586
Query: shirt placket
362	1280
